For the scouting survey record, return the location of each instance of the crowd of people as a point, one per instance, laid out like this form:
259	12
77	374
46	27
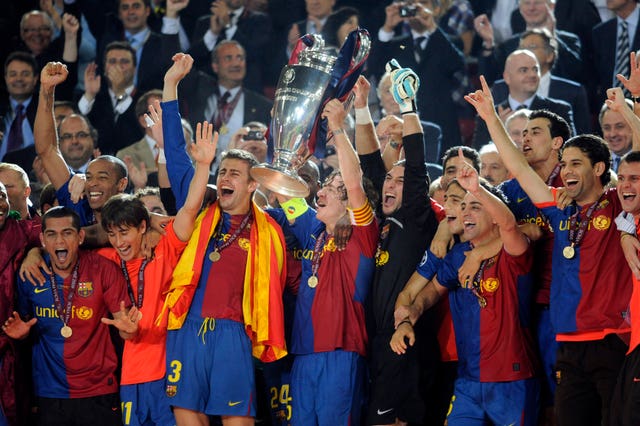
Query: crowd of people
467	253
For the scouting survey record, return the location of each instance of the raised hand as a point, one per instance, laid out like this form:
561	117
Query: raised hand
204	149
361	90
70	24
615	99
155	116
91	81
219	16
467	176
76	187
392	17
182	64
633	83
174	7
16	328
482	100
334	113
53	74
483	27
137	173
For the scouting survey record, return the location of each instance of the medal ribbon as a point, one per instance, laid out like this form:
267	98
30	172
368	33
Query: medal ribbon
123	265
234	236
576	233
477	279
317	253
64	315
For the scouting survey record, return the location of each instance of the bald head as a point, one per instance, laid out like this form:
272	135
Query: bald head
522	74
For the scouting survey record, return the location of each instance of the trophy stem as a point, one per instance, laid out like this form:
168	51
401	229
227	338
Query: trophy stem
285	182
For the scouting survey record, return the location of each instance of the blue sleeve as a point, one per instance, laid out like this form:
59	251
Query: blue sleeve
23	305
429	265
448	270
179	165
304	225
81	207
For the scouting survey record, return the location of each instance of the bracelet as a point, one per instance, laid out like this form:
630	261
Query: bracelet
405	321
363	116
338	132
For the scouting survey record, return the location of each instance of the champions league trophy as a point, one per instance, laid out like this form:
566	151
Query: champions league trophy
303	89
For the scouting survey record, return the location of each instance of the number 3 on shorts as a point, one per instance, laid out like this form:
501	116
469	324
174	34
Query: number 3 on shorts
176	367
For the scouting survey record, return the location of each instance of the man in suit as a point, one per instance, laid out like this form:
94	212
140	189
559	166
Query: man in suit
536	15
153	51
226	102
545	47
605	41
19	111
616	132
111	106
428	52
145	151
231	20
522	76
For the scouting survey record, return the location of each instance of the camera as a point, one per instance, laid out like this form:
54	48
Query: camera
408	11
254	135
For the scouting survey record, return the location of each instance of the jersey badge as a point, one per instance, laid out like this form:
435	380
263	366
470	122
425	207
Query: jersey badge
490	285
85	289
385	231
382	257
601	222
83	312
330	245
244	244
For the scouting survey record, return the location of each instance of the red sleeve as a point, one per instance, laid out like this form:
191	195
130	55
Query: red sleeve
437	209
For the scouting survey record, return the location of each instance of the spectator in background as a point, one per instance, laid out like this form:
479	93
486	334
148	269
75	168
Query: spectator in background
231	20
338	26
251	138
152	51
545	47
491	166
515	125
16	183
616	132
78	140
110	104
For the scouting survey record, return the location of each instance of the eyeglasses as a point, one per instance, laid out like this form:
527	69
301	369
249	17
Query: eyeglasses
121	61
42	29
69	136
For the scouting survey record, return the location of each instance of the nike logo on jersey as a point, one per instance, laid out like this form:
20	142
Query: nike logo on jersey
40	290
381	412
521	199
233	404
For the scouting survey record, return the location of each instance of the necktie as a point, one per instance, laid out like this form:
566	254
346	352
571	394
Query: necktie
15	139
218	117
622	54
616	163
522	106
417	47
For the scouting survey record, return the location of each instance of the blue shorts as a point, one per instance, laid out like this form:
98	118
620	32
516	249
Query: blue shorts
328	388
210	369
146	404
277	381
501	403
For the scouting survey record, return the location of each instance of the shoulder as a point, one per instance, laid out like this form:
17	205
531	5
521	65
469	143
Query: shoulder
606	26
565	82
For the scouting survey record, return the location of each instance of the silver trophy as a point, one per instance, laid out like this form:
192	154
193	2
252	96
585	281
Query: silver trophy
298	100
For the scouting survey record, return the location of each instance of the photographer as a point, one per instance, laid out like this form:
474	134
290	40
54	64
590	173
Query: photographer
251	137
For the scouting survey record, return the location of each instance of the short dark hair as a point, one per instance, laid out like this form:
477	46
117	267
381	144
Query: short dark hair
239	154
67	104
558	125
47	196
147	3
593	147
24	57
118	165
631	157
493	190
141	105
60	212
123	209
119	45
550	42
469	154
334	22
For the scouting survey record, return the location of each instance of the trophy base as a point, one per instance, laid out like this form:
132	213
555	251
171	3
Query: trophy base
282	182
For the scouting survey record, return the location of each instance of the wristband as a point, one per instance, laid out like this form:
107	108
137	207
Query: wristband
405	321
363	116
161	158
337	132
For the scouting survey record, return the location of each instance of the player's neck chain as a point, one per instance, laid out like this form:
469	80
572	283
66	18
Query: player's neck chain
64	313
140	299
577	230
219	244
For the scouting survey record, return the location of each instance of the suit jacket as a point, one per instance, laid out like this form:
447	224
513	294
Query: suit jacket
562	89
198	87
113	134
563	109
23	157
140	152
154	60
440	60
253	33
568	64
604	56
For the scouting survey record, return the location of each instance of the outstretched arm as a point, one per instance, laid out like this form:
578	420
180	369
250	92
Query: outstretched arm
44	128
616	102
534	186
202	151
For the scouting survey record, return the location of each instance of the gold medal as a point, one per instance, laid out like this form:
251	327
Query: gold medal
223	129
568	252
312	281
214	256
482	302
66	331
